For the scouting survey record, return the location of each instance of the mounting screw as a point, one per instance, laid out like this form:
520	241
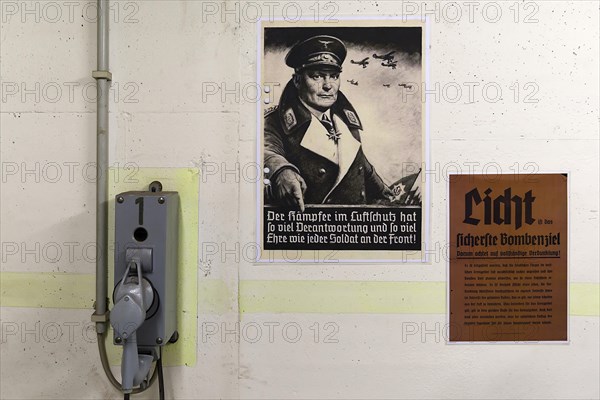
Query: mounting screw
159	340
161	200
118	340
120	199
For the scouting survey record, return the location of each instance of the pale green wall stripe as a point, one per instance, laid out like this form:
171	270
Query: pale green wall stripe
215	297
47	290
334	297
77	291
349	297
585	299
323	297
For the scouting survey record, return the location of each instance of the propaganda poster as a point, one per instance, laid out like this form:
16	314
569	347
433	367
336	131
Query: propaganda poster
343	139
508	258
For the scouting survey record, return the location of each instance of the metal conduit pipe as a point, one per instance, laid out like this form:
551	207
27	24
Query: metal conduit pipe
103	78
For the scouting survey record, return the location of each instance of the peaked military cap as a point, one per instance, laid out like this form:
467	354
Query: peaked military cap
317	51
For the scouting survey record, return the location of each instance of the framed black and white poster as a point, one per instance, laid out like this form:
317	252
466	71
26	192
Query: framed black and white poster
343	139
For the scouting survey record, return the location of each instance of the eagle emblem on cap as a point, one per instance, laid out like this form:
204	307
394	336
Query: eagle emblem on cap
325	43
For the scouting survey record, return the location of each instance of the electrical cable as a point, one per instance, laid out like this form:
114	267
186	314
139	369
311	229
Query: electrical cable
109	374
161	383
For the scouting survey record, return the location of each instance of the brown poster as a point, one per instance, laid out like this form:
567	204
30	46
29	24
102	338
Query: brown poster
508	258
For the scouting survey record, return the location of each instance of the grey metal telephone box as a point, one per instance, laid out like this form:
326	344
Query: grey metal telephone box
146	237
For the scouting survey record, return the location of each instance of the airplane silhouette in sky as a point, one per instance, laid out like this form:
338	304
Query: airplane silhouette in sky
387	57
364	62
390	64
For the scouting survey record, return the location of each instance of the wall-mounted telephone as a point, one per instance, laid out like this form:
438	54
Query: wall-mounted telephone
144	316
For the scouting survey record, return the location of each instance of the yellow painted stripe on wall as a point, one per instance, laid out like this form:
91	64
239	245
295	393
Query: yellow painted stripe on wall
350	297
77	291
333	297
323	297
585	299
47	290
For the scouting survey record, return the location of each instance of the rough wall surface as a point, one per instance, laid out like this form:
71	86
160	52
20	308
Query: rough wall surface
183	73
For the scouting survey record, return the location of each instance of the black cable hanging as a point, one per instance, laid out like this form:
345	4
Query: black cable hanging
161	383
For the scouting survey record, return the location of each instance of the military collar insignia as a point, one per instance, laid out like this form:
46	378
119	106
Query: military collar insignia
289	119
270	110
352	118
291	112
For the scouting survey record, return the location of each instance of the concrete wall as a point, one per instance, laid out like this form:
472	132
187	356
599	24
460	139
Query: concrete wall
281	330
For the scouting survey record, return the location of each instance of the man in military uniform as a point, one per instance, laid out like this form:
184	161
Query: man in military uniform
313	152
